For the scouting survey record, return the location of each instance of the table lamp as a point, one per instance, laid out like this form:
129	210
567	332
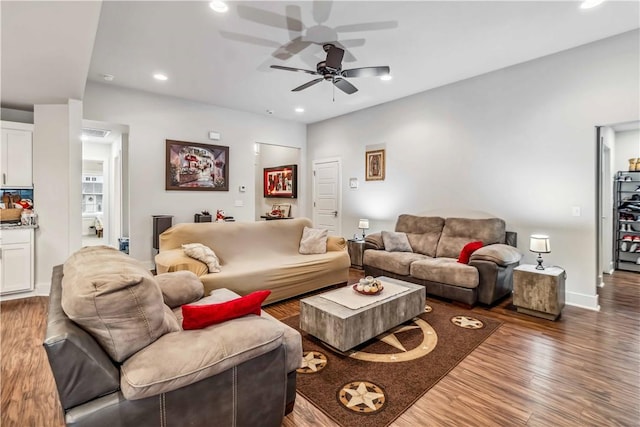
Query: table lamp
363	224
539	244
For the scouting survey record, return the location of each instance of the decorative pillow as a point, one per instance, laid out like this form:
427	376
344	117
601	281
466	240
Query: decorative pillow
179	288
203	253
396	242
313	241
201	316
115	299
467	250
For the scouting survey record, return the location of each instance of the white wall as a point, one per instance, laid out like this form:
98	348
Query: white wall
518	143
627	147
270	156
152	119
57	168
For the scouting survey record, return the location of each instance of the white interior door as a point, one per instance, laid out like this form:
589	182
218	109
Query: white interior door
327	200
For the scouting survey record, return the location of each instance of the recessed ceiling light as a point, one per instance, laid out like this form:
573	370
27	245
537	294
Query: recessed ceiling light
161	77
588	4
218	6
299	110
386	77
108	77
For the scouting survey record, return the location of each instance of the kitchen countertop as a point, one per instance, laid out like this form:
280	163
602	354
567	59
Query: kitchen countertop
16	227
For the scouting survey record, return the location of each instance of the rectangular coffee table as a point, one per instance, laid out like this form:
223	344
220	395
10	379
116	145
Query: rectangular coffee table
344	328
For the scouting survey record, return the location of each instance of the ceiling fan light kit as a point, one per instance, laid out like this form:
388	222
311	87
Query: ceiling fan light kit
331	69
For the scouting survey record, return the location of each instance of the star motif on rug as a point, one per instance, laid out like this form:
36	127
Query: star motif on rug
391	338
312	362
467	322
362	396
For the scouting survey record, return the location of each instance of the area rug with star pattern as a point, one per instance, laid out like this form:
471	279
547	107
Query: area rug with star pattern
374	383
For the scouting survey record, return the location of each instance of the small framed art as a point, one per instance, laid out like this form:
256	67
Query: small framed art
281	181
374	165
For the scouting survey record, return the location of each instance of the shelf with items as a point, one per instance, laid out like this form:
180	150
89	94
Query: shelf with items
626	227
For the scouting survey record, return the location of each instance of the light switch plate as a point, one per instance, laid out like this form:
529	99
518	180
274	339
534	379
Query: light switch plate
353	183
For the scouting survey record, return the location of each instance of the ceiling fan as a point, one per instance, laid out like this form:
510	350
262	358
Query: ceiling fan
331	70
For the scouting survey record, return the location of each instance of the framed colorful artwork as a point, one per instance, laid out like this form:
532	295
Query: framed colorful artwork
374	165
281	181
199	167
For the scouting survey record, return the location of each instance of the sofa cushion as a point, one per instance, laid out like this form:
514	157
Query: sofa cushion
445	270
467	250
396	241
116	299
423	232
179	288
498	253
176	260
211	350
291	338
395	262
198	316
203	253
313	241
457	232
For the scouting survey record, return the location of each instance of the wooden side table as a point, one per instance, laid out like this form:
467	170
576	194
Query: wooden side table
539	292
356	251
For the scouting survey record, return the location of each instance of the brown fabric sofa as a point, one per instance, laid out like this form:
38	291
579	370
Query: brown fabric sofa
436	243
240	372
256	255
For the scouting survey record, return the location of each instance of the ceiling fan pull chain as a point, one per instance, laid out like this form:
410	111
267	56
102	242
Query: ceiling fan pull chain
333	88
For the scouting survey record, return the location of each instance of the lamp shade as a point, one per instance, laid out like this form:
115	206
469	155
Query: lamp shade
364	224
540	243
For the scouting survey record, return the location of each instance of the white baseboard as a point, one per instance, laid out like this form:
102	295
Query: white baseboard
42	289
590	302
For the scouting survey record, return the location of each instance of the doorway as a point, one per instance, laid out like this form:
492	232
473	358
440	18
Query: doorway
327	196
104	184
616	143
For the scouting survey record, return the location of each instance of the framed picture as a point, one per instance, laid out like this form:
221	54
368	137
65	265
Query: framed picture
280	210
281	181
199	167
374	165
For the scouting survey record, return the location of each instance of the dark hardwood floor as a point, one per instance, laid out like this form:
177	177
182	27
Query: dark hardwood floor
583	370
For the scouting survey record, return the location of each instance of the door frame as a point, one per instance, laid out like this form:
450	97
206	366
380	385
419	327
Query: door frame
314	164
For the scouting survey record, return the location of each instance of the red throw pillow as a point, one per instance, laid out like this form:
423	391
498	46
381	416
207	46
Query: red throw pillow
468	249
201	316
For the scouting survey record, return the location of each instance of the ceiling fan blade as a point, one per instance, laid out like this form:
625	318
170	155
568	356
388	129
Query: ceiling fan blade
345	86
297	70
294	47
334	58
351	43
307	84
294	19
265	17
366	72
366	26
321	11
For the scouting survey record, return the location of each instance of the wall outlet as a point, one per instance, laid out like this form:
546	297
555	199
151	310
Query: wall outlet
576	211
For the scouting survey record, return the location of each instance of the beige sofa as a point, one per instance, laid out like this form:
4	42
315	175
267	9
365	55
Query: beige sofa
433	261
255	255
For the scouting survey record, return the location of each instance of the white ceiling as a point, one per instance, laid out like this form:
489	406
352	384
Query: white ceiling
224	59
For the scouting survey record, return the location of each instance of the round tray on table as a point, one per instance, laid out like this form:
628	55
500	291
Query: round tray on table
355	288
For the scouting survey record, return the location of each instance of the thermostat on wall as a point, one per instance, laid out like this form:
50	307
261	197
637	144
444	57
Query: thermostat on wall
214	135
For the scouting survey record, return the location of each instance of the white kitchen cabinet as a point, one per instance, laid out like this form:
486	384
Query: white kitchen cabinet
16	160
16	260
